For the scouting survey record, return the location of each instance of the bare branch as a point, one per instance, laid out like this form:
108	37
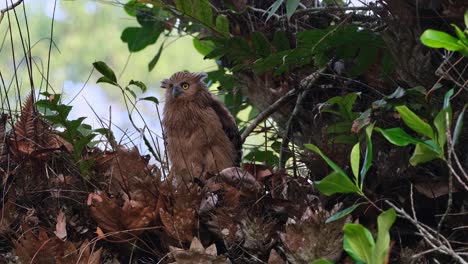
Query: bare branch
8	8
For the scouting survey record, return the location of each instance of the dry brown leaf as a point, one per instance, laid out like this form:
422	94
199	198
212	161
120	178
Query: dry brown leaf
61	226
241	180
197	254
304	238
275	258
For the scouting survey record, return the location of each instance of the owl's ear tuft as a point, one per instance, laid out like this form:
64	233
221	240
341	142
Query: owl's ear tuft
165	83
200	76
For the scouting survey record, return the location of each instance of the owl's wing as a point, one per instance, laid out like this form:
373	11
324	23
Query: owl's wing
230	128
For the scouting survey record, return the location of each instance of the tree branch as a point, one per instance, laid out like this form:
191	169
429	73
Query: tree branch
267	112
8	8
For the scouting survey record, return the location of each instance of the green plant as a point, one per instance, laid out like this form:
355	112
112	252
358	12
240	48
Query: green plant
439	39
361	246
339	182
78	134
108	76
432	143
341	106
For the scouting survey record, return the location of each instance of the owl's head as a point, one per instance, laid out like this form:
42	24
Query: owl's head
184	84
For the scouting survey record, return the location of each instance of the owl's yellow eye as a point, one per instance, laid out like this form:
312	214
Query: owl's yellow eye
185	86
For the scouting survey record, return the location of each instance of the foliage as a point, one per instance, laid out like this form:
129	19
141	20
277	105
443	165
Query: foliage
360	245
78	134
433	141
338	181
439	39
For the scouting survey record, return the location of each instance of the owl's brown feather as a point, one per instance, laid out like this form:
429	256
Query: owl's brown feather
201	134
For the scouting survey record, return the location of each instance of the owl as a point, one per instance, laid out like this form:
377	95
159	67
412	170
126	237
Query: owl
201	135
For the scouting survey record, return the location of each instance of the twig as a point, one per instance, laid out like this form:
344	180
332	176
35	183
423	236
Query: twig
8	8
438	242
267	112
304	86
450	180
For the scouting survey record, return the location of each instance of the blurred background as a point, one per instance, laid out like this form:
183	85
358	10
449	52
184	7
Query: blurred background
85	32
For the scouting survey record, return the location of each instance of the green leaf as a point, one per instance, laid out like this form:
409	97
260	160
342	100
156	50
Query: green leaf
138	38
382	246
151	99
422	153
398	136
358	242
105	70
369	153
459	123
365	58
344	212
281	41
330	163
440	122
291	6
273	8
222	25
184	6
336	183
138	84
156	57
340	127
438	39
460	34
355	158
321	261
132	6
414	122
104	79
203	11
261	44
447	97
466	20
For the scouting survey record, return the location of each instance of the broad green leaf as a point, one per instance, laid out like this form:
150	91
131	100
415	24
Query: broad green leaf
369	153
355	158
459	123
344	212
336	183
466	20
185	6
105	70
398	136
273	8
291	6
340	127
440	122
281	41
422	153
104	79
132	6
447	97
321	261
222	25
414	122
203	11
261	44
438	39
138	38
364	60
156	57
460	34
330	163
204	47
138	84
359	241
382	245
151	99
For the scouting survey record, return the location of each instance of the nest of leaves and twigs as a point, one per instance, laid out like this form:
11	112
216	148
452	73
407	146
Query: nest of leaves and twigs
123	209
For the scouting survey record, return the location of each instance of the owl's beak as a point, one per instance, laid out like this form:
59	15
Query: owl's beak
176	91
